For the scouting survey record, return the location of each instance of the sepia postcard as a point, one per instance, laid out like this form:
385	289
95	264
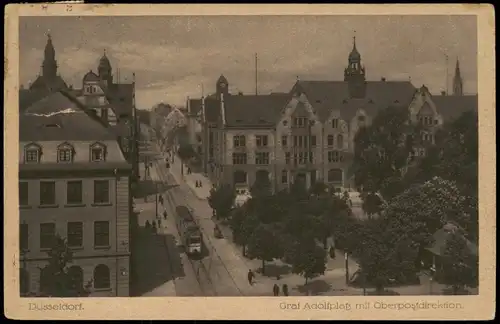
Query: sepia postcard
172	161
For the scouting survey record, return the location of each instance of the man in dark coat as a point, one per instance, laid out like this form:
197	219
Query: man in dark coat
250	277
276	290
285	289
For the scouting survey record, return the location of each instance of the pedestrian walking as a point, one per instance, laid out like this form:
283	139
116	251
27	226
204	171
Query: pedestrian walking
148	225
165	214
250	277
276	290
285	290
160	199
154	226
332	253
159	223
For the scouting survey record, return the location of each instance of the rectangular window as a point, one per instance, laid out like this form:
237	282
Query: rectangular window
330	140
302	157
101	234
311	157
65	155
23	194
75	234
299	122
74	193
97	154
301	143
284	140
287	157
313	140
23	237
47	235
262	158
239	141
101	191
261	140
284	176
239	158
295	141
32	156
333	156
47	193
335	123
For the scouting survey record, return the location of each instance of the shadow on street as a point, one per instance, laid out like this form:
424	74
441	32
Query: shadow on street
151	187
274	270
315	287
157	260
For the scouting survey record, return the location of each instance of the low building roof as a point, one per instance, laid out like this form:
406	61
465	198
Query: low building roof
254	110
442	236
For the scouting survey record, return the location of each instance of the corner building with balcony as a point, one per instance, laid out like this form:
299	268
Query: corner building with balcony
74	181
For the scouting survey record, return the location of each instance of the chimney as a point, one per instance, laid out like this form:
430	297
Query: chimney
382	79
443	93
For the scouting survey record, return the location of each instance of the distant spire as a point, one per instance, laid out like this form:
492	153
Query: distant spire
49	66
457	81
354	41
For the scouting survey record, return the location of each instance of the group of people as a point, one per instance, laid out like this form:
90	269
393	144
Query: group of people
198	184
276	288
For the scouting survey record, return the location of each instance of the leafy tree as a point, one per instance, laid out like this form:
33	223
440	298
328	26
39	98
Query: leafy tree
328	210
265	244
307	258
243	224
381	151
372	204
58	282
318	189
459	263
221	200
298	191
186	152
423	209
384	254
262	187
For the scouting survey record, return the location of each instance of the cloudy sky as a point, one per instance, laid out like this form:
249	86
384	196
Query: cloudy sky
173	56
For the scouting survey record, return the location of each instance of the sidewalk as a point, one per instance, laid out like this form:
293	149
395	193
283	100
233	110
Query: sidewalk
190	179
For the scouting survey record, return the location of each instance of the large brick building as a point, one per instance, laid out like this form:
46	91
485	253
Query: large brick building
308	133
73	181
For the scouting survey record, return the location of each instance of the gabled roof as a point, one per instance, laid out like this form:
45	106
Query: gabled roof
60	117
256	111
326	96
451	107
441	238
27	97
51	84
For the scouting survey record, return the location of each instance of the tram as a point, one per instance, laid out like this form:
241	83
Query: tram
189	232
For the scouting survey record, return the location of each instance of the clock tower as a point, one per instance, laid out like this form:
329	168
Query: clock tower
222	86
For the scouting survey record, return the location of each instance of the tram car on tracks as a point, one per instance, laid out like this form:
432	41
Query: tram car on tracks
189	232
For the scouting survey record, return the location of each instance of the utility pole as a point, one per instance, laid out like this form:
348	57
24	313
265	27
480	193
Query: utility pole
446	59
256	80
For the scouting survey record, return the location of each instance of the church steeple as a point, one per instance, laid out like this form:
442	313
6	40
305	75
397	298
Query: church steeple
354	73
457	81
49	66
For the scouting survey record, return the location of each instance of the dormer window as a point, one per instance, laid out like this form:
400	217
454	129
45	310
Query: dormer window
65	153
97	152
32	153
335	123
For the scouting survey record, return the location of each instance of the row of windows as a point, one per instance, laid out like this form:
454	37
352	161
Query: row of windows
74	235
427	120
261	158
74	193
301	157
303	122
65	153
101	278
260	141
334	175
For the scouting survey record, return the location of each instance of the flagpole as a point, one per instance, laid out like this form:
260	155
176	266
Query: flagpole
256	80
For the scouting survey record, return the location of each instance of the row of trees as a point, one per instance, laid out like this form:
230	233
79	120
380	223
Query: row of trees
292	225
419	197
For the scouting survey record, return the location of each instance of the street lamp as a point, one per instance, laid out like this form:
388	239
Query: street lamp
346	257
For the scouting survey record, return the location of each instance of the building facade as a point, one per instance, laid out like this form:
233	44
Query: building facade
308	134
74	181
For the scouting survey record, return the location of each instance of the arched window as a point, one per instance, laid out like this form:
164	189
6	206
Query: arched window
335	176
102	278
239	177
97	152
340	141
65	152
32	153
330	140
24	281
75	274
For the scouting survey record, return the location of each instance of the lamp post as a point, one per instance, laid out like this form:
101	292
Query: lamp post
346	257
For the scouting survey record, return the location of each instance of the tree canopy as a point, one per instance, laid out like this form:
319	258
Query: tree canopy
221	200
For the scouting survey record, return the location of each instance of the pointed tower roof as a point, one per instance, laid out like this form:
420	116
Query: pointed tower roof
50	52
222	78
457	69
354	56
104	62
